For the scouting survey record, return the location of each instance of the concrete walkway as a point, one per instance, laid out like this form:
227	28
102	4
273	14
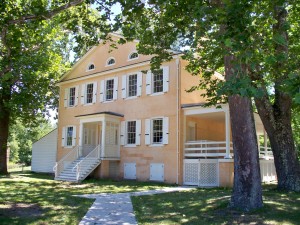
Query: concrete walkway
117	208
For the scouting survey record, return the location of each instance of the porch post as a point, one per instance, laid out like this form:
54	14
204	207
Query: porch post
102	154
265	143
80	139
227	132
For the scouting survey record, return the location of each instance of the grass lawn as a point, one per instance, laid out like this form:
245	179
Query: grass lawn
209	206
30	198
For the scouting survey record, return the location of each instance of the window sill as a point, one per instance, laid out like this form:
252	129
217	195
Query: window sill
130	146
87	104
68	147
156	145
130	98
158	93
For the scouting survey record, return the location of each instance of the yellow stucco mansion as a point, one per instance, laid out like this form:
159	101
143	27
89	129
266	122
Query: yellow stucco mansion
120	120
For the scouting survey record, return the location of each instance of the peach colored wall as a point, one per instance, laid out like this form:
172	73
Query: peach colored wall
208	129
142	108
99	58
226	173
186	82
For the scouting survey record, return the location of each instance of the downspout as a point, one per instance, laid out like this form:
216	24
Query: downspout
178	121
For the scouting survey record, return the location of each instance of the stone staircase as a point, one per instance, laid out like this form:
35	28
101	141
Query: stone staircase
86	165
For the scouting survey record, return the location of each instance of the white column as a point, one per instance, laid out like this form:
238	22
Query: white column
227	133
265	143
103	139
80	138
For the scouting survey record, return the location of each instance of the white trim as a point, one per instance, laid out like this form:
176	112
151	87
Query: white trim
201	110
87	68
129	59
107	61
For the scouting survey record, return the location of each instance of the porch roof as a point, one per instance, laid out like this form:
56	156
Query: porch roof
104	112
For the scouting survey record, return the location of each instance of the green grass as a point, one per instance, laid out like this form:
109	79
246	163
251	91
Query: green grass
31	198
210	206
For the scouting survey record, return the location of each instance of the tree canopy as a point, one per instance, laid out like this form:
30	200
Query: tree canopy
36	38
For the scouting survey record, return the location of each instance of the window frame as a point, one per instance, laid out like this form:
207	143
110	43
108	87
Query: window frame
67	140
129	56
89	65
149	131
150	82
108	60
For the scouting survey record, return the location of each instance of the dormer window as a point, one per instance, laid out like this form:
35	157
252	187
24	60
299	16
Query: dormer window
91	67
133	55
111	61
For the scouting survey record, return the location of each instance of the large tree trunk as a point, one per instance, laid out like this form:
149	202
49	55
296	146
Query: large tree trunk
247	190
4	129
276	117
277	122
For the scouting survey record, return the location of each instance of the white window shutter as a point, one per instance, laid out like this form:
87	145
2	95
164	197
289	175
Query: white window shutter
138	130
149	83
124	86
122	135
63	136
115	94
66	97
102	90
166	130
76	94
165	79
82	94
147	131
74	136
94	92
139	83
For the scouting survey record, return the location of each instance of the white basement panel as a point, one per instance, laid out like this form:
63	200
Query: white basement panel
157	171
129	170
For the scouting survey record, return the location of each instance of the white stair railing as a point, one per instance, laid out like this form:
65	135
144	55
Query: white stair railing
94	154
70	157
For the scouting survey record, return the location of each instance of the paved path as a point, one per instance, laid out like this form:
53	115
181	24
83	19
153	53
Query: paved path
116	209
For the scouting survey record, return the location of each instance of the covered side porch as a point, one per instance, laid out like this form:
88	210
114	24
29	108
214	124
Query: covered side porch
208	149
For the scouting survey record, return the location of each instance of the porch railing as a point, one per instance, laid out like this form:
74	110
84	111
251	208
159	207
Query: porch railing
70	157
81	167
206	148
265	152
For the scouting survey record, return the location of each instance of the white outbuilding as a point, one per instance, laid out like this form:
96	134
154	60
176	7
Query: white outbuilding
44	153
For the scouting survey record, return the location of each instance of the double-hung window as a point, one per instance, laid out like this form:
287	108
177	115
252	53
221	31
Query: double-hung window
131	133
68	136
71	97
108	89
157	81
88	93
157	131
132	85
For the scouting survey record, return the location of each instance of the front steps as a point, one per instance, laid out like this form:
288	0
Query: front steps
86	167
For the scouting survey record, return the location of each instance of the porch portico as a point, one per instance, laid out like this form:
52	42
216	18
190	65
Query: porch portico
208	149
100	129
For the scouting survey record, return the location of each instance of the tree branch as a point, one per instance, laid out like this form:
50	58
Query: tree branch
47	15
8	54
